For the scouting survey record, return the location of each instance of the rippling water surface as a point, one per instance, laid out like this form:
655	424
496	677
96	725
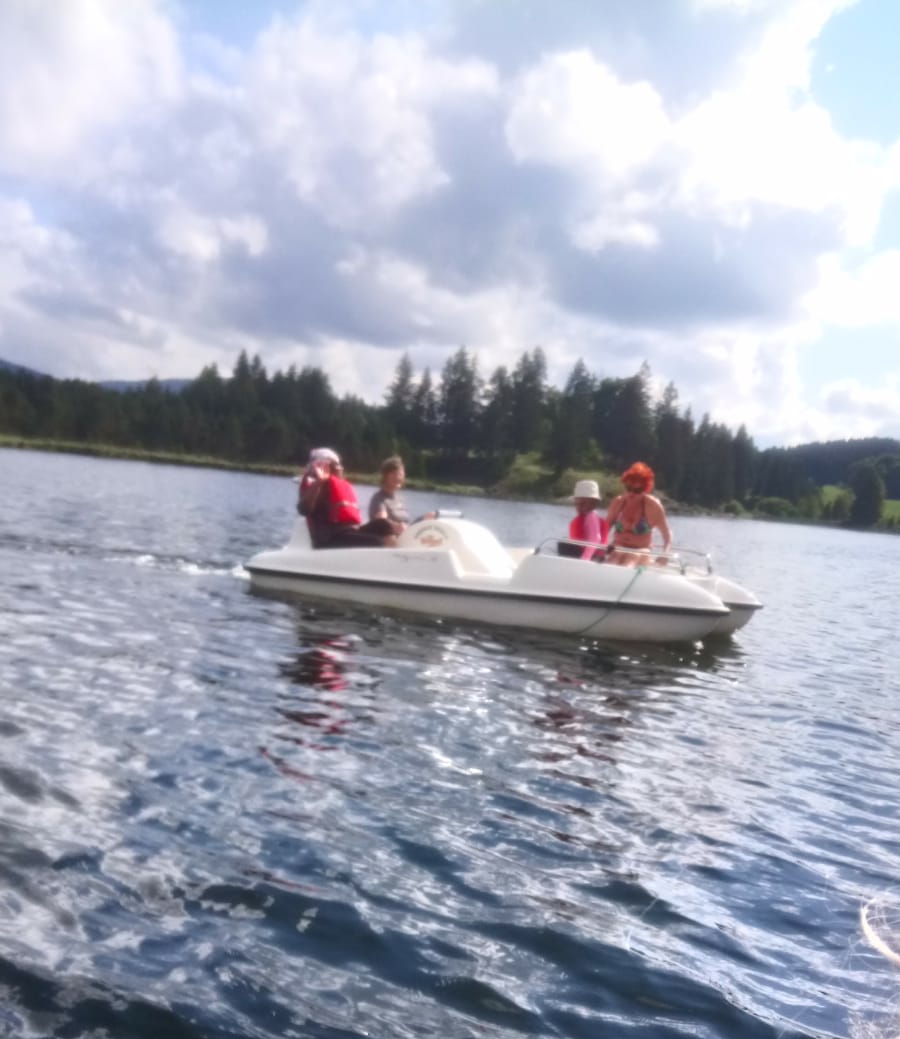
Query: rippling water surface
229	815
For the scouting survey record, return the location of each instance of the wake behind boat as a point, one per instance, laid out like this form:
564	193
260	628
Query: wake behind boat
454	568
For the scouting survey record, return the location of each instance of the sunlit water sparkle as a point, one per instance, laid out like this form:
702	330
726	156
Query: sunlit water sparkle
224	814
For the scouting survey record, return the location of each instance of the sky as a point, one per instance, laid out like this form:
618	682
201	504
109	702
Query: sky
708	186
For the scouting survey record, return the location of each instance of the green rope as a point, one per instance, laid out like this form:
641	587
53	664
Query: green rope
638	570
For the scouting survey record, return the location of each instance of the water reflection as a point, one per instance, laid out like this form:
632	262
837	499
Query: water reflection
321	666
575	736
438	828
550	728
586	695
568	767
312	714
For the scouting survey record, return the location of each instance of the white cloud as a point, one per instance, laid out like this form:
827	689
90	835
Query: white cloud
72	69
741	149
752	143
859	410
204	239
850	400
740	6
350	118
859	297
351	189
571	110
24	245
762	139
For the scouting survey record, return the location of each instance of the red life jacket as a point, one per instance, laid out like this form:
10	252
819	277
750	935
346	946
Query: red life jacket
342	504
577	533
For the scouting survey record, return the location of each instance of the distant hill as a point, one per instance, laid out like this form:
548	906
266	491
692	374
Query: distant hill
123	385
170	385
10	367
830	462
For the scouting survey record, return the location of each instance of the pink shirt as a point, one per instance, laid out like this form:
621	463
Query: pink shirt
589	526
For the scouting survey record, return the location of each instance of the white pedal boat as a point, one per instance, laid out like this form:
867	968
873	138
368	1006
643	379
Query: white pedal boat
451	567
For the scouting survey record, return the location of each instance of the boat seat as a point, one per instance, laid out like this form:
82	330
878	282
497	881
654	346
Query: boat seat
476	549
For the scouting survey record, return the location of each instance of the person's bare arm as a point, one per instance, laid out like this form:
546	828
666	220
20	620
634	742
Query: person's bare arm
310	489
658	519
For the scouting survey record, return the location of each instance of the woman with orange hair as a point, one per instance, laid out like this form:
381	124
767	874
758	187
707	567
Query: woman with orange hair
633	516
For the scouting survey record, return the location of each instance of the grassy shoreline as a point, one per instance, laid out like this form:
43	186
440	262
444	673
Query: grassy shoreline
528	487
525	485
140	454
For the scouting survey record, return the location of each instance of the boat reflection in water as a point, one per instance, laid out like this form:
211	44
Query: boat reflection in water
315	722
320	666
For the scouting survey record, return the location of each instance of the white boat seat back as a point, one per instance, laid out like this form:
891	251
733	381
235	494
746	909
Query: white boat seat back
476	549
299	535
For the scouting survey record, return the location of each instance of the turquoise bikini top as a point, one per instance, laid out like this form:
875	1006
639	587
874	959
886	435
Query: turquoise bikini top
640	528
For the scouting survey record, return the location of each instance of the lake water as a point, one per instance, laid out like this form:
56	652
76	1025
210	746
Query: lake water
227	815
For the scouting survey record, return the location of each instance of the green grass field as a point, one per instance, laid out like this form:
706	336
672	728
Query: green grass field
891	510
830	491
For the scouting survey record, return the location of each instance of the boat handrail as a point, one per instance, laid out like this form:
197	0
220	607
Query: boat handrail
438	514
662	560
553	541
699	558
674	559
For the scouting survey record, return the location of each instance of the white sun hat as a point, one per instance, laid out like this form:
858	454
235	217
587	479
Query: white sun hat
587	489
324	454
318	454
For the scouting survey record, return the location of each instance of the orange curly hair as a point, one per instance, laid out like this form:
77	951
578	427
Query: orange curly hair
639	473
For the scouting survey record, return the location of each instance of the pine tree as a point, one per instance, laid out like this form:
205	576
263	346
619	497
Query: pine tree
868	494
529	382
671	442
629	432
460	403
570	435
425	413
400	399
497	417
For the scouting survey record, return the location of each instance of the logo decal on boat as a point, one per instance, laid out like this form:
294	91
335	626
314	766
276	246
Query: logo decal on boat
431	537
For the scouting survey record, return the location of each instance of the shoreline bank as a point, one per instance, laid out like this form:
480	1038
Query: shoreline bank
92	450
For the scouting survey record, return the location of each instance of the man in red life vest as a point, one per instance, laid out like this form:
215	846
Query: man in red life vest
330	506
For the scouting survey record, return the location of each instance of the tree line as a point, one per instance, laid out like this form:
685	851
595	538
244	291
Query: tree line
463	427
